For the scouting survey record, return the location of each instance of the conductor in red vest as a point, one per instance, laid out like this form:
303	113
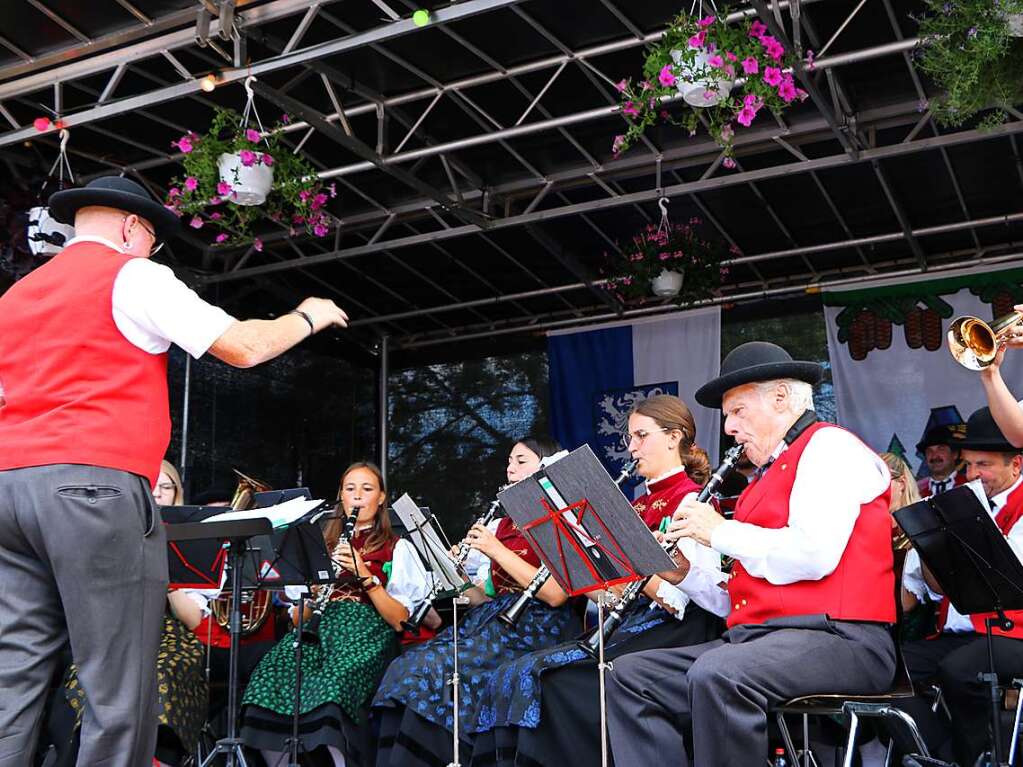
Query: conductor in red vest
84	423
958	653
811	592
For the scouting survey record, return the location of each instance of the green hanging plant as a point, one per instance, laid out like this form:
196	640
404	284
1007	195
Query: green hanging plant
207	197
972	51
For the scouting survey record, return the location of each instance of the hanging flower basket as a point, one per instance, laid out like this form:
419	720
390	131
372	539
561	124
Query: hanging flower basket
726	72
974	55
250	184
236	175
670	260
695	90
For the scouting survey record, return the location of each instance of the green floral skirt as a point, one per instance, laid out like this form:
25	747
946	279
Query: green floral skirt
356	645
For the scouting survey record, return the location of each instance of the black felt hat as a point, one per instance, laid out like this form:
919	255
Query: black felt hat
115	192
752	362
982	433
942	435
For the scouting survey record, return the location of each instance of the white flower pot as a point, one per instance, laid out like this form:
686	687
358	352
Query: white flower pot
250	184
666	284
695	87
46	236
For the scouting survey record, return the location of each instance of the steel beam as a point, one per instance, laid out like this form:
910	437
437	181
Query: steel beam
778	171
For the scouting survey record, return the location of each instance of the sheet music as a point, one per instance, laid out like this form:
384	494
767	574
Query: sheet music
426	540
281	515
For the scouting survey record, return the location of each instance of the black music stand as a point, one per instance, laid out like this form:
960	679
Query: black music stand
583	529
237	533
973	563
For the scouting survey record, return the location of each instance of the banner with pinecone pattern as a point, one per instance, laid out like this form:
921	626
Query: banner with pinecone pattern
890	365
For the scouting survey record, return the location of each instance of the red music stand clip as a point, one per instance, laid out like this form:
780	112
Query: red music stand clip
570	531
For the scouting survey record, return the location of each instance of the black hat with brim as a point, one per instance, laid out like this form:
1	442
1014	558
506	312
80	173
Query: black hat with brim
115	192
753	362
940	435
983	434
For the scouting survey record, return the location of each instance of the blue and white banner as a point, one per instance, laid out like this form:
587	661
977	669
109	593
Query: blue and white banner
598	374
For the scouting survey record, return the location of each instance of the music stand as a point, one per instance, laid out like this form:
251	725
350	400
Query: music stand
978	571
581	526
237	532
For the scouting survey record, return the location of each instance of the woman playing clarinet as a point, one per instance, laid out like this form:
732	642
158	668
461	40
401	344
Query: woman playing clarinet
359	622
414	702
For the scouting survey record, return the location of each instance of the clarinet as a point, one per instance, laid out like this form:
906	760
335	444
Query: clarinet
634	589
311	628
512	614
417	616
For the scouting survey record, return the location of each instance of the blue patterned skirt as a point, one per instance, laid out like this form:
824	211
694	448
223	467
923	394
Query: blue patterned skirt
510	728
414	695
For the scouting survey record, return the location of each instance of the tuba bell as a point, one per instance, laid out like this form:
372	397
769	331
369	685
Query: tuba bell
974	343
256	604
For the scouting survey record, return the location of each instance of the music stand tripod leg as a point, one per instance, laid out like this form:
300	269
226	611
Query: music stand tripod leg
231	745
991	679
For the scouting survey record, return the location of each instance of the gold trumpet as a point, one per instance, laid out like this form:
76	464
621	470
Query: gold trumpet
975	343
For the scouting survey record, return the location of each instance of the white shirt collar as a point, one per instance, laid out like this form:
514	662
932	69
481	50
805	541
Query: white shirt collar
665	475
998	501
94	238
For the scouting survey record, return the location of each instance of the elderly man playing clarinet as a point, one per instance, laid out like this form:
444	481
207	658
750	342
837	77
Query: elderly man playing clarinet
811	592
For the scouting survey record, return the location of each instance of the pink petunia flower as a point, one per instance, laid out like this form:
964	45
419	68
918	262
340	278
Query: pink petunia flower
729	163
333	190
321	230
252	135
621	85
629	110
715	61
745	116
267	160
787	91
666	77
617	144
646	85
216	216
809	59
731	56
750	66
285	118
223	187
174	192
248	157
772	75
696	41
184	144
706	21
774	49
221	237
195	223
191	183
757	29
257	245
727	131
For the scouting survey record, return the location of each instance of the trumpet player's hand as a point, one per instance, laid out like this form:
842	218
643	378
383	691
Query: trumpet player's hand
352	564
693	520
482	540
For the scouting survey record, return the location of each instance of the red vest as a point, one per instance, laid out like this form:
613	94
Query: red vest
861	586
508	534
1006	518
663	497
76	390
924	485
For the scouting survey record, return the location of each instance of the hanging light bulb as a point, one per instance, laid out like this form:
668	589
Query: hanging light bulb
421	17
208	83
